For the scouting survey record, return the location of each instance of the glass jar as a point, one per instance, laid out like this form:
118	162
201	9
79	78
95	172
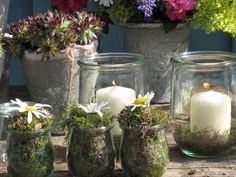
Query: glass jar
90	152
25	153
144	155
116	78
30	154
202	104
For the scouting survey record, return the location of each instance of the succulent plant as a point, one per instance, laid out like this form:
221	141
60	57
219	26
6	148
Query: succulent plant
52	31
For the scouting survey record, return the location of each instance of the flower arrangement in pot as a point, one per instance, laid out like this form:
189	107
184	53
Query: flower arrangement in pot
144	150
29	149
52	42
154	28
90	149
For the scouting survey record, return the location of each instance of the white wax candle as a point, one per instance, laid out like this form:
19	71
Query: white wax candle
117	97
210	109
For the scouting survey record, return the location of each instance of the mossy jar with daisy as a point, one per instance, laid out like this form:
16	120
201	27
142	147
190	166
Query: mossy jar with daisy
90	148
29	148
144	149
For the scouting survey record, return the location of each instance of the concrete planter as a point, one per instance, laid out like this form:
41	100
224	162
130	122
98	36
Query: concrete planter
56	81
158	46
3	60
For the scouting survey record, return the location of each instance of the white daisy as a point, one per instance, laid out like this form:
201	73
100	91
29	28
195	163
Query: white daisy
143	101
95	108
36	109
106	3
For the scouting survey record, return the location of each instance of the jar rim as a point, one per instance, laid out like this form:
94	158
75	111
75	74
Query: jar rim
190	58
90	60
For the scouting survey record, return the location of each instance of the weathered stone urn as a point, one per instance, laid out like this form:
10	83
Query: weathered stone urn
158	46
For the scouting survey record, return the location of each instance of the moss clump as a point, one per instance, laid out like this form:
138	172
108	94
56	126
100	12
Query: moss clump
90	153
30	154
18	122
144	150
147	156
203	142
144	117
76	117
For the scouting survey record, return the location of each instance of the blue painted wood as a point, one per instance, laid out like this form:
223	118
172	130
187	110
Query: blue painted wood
18	10
200	41
114	41
41	6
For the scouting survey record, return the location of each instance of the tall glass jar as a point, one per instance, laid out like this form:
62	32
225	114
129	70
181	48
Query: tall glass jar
202	104
116	78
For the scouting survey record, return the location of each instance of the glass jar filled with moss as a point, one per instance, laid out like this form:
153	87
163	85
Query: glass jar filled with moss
144	149
29	147
113	77
90	149
203	103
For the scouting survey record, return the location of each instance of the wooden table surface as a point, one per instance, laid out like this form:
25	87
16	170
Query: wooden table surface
179	166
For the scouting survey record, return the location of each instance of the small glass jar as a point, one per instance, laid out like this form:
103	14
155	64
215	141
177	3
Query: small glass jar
30	153
26	153
144	155
116	78
90	152
202	104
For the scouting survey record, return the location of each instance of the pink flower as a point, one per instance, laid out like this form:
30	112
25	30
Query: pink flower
177	9
69	5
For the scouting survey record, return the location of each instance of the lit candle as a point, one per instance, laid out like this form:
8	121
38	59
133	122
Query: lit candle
117	97
211	109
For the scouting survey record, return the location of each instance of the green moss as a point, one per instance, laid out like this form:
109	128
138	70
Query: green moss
29	155
203	142
18	122
143	117
90	153
144	156
77	118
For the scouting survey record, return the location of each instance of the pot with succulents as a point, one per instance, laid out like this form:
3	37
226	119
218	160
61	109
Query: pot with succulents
90	149
29	149
50	45
144	149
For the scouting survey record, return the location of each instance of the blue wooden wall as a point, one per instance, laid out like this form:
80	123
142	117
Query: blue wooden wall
112	42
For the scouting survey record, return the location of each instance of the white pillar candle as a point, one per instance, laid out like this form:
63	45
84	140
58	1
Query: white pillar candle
210	109
117	97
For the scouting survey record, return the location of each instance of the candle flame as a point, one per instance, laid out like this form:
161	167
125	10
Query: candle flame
206	85
114	82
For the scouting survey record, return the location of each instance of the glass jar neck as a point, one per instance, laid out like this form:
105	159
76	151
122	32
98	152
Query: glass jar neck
113	60
205	59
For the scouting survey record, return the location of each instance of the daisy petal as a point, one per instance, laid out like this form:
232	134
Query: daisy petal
100	113
29	118
37	114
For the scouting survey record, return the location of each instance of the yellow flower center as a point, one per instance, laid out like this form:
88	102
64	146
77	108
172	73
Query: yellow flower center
29	108
139	100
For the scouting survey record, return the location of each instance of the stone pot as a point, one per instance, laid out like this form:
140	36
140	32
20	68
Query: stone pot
56	81
158	46
3	59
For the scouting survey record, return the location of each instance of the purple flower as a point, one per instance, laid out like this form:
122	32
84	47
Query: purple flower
146	6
